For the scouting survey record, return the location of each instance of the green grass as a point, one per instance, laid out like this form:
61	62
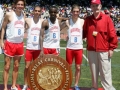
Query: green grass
85	80
63	43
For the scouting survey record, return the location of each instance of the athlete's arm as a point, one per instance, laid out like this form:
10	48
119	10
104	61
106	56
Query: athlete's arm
62	18
41	37
63	25
67	23
5	22
82	22
27	21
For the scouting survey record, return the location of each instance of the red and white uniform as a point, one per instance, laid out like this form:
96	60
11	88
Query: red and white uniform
75	35
52	35
51	41
75	43
15	29
14	36
33	47
33	35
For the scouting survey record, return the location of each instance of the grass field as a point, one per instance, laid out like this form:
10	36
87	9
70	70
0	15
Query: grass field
85	80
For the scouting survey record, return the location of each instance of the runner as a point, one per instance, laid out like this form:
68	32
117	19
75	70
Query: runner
33	47
50	40
75	42
13	46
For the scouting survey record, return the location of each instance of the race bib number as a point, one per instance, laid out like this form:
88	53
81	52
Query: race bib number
18	32
35	39
54	35
75	39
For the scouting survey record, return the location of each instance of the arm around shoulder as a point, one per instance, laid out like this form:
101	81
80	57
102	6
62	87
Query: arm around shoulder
27	23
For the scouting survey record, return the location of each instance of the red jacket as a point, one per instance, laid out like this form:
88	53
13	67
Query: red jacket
106	38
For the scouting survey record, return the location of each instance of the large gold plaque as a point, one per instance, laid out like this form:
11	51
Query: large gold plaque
49	77
49	73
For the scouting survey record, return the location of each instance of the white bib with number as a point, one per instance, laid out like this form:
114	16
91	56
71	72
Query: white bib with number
54	35
18	32
75	32
75	39
35	39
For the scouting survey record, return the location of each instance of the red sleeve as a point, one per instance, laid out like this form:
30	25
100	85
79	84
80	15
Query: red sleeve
113	41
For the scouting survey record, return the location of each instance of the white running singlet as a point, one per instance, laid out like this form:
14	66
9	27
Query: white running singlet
33	35
75	34
52	35
15	29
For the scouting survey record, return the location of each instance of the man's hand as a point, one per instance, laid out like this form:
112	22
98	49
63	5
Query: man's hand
2	45
110	53
41	54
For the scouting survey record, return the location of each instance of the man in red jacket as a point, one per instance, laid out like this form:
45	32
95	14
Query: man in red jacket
101	41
